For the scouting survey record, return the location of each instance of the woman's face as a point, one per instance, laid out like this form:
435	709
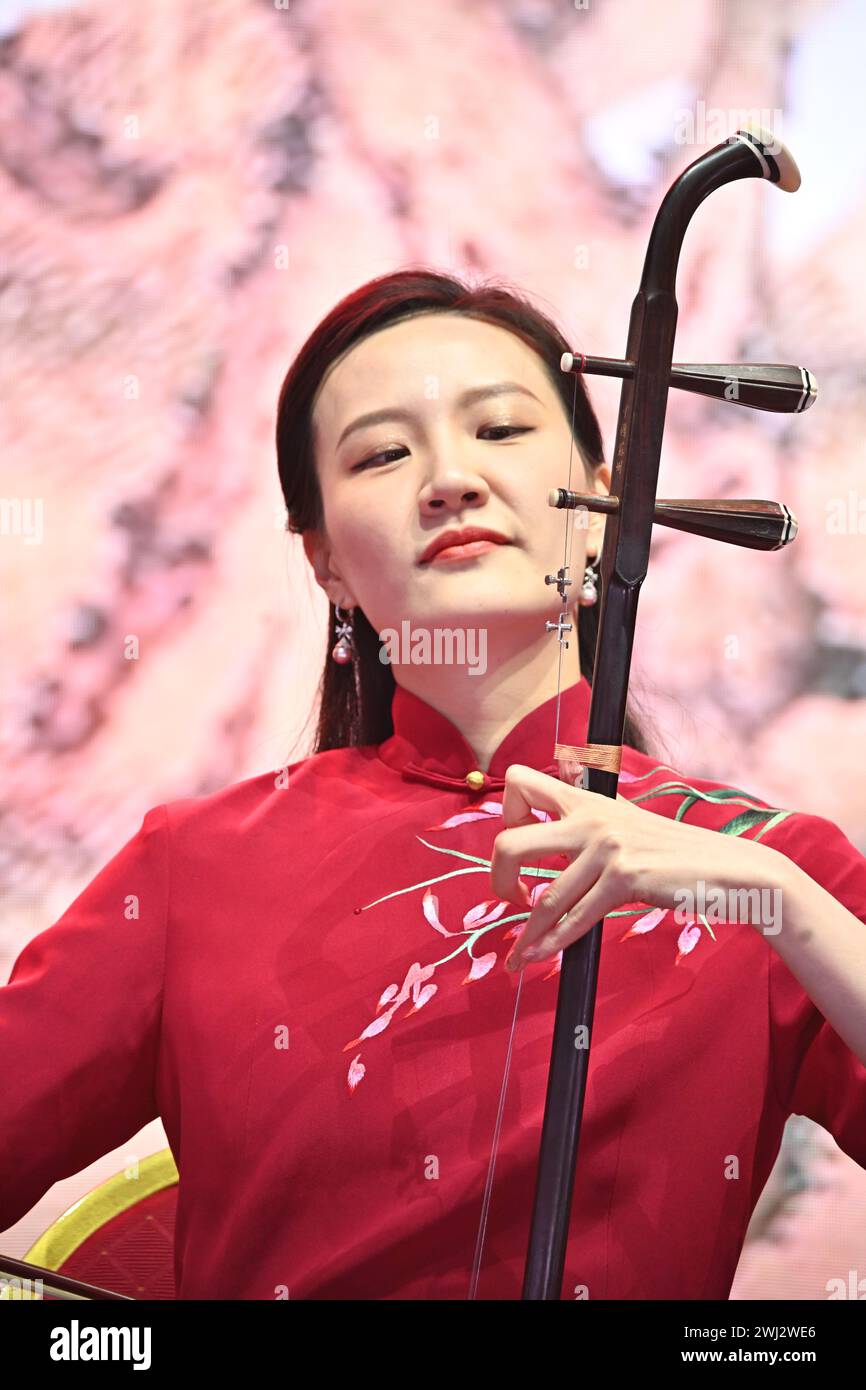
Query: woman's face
436	459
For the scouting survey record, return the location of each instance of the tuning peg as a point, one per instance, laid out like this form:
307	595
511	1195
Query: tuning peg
757	525
759	385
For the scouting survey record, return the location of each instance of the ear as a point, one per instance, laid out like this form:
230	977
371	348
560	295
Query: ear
595	535
318	551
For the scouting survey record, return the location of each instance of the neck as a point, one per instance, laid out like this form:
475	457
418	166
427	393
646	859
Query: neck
487	704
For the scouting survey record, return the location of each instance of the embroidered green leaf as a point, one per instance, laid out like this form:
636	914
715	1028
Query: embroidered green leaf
702	918
531	871
718	795
659	767
479	866
744	821
774	820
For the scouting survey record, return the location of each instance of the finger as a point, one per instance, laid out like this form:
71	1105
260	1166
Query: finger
577	922
570	888
523	846
526	788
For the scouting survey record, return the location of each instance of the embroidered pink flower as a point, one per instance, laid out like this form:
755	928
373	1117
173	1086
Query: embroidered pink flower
478	916
480	967
356	1072
556	967
488	810
417	989
646	923
476	921
484	913
430	908
386	997
688	940
534	894
415	976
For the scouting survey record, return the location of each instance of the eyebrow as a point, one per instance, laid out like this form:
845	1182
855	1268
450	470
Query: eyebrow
475	393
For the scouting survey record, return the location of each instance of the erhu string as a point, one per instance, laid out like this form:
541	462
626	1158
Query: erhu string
503	1090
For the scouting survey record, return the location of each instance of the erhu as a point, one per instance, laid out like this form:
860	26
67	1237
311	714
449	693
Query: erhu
632	508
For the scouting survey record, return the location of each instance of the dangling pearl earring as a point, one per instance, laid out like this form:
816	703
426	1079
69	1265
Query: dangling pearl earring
343	649
589	589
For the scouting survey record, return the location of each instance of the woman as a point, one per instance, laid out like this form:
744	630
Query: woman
305	974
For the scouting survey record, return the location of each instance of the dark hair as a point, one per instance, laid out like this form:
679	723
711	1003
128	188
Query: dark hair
356	697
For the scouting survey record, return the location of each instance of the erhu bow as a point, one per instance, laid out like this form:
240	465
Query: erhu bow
632	508
19	1279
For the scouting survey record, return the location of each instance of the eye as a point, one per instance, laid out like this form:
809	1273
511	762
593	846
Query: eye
514	429
374	458
387	455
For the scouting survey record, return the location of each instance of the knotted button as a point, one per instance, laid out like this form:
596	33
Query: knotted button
475	780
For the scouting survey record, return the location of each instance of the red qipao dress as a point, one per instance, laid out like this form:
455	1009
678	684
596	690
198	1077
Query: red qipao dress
312	997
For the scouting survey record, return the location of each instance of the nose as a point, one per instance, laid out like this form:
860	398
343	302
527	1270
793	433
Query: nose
455	490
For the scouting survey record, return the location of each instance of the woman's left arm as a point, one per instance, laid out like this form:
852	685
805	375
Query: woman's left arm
620	853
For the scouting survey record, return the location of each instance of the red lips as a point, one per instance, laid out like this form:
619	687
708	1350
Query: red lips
461	536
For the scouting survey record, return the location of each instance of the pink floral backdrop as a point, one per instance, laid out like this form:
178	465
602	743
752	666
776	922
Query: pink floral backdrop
188	188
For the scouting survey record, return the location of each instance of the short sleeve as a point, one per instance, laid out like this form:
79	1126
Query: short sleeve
815	1073
80	1025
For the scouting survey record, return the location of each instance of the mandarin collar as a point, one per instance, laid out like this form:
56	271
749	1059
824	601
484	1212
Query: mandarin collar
427	747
